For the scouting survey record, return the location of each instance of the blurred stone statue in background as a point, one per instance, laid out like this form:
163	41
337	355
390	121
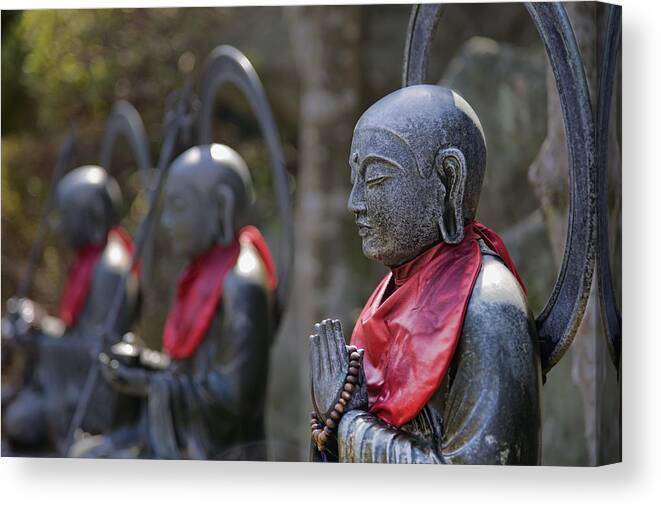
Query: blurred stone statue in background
204	394
444	364
59	349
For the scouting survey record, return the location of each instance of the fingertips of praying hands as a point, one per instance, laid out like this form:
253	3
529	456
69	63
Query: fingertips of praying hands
329	362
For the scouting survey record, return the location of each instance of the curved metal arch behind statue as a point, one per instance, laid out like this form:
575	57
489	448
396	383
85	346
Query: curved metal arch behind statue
125	120
66	160
227	64
559	320
610	314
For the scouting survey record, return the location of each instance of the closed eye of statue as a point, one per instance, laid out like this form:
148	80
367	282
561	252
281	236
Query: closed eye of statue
377	180
378	172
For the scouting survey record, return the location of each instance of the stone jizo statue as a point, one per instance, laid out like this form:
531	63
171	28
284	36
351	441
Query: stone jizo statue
207	402
443	364
60	348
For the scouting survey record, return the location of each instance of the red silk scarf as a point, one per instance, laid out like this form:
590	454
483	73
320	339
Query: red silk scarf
410	336
200	288
79	279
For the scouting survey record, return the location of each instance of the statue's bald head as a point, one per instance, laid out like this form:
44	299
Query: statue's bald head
414	125
87	199
209	195
433	136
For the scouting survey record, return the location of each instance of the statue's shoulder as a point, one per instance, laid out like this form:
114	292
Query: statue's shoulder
246	299
248	276
115	260
114	263
498	307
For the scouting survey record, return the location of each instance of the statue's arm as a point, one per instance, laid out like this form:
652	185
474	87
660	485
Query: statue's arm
491	414
362	437
227	383
108	274
237	344
27	322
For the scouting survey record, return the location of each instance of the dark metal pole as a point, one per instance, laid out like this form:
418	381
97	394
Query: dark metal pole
559	320
610	313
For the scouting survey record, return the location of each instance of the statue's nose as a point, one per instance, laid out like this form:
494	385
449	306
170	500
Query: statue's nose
356	203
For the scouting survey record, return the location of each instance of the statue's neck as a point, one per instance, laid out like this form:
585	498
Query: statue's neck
402	272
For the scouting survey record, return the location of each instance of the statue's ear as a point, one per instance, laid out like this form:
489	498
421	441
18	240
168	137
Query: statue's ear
226	202
450	167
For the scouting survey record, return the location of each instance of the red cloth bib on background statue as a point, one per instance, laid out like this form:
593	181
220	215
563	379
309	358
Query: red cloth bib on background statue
410	337
80	275
199	289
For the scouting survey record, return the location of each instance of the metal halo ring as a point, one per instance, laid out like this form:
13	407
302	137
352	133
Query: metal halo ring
125	119
226	64
559	320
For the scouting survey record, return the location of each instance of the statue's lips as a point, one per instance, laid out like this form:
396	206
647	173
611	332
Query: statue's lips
363	229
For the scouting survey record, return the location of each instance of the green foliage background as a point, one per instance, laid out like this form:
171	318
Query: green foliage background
68	67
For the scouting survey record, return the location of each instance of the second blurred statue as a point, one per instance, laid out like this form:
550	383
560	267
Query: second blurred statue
207	401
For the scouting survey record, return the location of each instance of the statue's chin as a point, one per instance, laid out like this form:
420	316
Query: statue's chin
70	238
376	253
387	256
181	251
180	246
